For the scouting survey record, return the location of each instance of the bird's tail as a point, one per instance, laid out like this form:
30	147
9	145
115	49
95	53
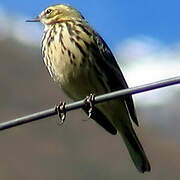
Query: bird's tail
135	149
120	119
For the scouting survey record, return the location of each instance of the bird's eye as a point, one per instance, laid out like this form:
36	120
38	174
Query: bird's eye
48	11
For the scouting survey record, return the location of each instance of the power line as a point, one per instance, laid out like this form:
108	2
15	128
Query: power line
98	99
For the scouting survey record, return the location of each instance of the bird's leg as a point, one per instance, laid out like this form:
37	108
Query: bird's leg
89	103
61	111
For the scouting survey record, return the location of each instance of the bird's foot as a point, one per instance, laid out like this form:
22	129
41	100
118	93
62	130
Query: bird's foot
61	111
89	103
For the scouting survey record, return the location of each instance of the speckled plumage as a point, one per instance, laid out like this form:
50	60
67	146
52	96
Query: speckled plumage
79	60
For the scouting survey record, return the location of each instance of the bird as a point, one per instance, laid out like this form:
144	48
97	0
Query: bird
81	63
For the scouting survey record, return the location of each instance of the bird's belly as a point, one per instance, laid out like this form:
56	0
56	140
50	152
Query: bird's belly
77	82
73	71
82	84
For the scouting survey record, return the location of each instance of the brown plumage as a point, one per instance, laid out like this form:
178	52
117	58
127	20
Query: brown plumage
80	61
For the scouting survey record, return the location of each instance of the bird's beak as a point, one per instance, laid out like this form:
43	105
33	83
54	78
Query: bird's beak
37	19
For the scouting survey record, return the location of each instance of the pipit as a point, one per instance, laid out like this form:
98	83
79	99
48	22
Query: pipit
79	60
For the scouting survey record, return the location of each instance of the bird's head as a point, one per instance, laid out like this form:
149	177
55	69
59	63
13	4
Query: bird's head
57	13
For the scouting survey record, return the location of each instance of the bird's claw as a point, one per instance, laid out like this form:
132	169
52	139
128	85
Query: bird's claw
89	102
61	111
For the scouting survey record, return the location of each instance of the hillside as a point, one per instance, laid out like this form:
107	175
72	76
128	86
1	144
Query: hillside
79	149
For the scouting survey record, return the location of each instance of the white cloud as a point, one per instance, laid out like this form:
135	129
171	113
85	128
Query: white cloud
4	24
30	33
148	60
16	27
145	59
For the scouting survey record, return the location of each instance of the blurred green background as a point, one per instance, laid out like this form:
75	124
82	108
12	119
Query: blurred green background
81	149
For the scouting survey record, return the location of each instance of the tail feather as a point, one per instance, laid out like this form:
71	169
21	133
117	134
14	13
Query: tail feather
136	150
121	120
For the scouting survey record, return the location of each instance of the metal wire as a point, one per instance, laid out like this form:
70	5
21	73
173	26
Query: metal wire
98	99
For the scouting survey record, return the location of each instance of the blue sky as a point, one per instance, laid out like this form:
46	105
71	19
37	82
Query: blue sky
116	20
144	35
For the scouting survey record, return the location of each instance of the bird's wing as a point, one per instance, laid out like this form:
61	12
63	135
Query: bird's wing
114	77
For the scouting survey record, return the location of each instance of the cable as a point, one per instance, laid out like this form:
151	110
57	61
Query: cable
98	99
